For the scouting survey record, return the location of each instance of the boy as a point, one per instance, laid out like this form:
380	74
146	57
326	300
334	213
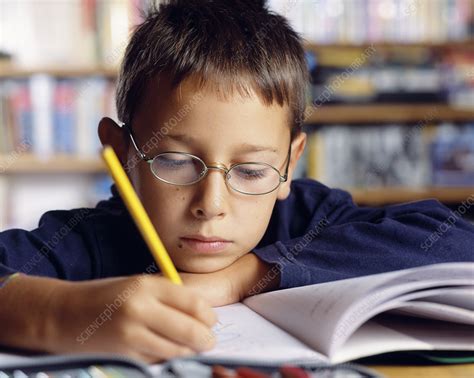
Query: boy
211	95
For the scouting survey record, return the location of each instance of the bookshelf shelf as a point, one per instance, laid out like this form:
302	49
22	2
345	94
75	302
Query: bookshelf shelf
387	113
17	72
456	44
381	196
30	164
11	71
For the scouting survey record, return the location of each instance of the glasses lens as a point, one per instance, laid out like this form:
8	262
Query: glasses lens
253	178
176	168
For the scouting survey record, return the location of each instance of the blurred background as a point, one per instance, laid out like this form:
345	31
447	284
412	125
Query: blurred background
390	112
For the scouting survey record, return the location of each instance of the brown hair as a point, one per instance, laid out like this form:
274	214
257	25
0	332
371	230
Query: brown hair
230	45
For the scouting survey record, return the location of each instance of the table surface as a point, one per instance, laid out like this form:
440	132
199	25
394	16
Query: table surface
438	371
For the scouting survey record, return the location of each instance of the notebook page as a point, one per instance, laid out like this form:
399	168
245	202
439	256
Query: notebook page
387	333
322	315
436	311
460	297
244	335
9	358
405	301
373	338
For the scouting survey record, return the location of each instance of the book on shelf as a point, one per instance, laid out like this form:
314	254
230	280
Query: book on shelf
49	115
452	156
358	77
423	308
416	156
19	204
86	33
4	205
330	21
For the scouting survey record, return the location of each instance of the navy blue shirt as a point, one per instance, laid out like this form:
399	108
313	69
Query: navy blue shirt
315	235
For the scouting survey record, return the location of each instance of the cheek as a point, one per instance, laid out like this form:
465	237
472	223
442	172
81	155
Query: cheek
256	212
160	200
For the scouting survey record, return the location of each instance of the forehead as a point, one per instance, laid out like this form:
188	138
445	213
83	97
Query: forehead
209	114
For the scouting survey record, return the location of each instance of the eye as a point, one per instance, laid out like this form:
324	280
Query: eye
248	173
173	161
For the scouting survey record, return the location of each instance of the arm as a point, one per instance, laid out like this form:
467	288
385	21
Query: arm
57	248
235	282
342	240
144	317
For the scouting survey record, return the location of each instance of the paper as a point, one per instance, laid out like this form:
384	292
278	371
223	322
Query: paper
243	334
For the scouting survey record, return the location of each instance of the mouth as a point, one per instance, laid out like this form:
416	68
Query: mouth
203	244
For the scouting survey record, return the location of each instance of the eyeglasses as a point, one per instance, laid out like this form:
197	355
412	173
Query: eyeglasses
181	168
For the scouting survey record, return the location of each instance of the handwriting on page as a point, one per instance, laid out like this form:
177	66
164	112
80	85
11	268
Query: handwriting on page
243	334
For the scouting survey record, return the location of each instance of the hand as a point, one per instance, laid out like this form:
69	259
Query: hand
145	317
217	287
235	282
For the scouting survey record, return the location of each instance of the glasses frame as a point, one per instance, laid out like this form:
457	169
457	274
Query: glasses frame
218	166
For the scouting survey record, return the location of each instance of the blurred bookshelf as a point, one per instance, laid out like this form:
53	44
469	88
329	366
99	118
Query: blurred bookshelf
383	196
12	72
373	113
32	164
396	125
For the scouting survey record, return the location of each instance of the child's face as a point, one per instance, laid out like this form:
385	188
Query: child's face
215	130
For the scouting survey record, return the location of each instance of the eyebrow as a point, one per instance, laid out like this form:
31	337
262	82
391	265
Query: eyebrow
243	148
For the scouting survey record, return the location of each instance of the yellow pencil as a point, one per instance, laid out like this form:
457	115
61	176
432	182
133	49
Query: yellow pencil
140	216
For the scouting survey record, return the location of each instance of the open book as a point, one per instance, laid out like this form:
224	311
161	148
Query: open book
424	308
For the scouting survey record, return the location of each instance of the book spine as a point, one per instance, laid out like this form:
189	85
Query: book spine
64	118
42	89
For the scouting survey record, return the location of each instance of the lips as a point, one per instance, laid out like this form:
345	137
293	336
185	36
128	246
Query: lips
205	238
205	244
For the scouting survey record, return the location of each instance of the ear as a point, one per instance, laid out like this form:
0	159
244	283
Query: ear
112	134
297	148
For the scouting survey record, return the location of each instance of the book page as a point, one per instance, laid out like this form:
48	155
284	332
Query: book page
243	335
388	333
7	358
325	315
415	303
459	297
436	311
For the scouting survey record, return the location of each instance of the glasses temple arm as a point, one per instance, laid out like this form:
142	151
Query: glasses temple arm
128	129
285	176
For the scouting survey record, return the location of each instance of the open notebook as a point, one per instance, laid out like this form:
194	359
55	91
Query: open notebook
425	308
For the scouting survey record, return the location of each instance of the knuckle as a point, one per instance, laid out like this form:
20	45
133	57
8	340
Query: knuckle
208	341
194	335
133	308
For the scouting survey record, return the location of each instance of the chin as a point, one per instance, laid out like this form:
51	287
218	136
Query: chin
203	265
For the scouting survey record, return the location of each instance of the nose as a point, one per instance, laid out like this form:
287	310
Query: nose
210	199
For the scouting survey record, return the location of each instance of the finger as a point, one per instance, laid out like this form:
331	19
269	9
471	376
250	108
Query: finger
180	328
155	347
186	300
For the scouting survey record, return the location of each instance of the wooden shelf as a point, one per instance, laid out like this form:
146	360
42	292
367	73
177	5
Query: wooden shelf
30	164
17	72
458	44
9	70
381	196
385	113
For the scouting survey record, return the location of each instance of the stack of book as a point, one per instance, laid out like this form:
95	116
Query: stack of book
392	156
46	115
360	21
417	76
85	33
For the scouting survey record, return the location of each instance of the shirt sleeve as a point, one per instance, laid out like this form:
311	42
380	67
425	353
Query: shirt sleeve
57	248
348	240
